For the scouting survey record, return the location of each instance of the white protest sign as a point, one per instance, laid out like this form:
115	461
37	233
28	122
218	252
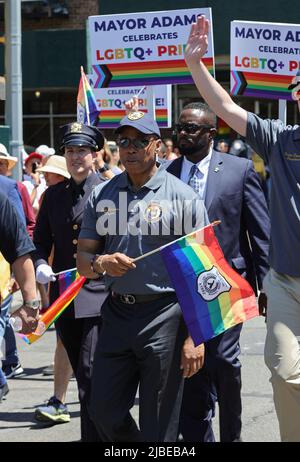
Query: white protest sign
144	48
111	104
264	58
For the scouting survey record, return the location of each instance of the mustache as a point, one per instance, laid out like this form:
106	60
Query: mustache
190	150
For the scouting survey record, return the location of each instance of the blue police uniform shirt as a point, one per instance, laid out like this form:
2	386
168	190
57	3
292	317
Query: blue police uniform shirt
14	239
143	220
279	146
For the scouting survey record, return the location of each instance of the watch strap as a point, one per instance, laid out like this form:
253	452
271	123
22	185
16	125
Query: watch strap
104	168
34	304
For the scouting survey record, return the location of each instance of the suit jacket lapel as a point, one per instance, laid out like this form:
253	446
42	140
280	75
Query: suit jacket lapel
175	167
214	177
67	203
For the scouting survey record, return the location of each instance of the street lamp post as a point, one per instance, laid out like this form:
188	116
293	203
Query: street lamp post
13	74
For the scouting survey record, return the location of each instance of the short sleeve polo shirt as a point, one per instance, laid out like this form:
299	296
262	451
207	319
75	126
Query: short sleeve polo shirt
136	222
279	145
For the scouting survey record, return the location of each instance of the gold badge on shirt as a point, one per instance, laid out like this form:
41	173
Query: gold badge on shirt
153	213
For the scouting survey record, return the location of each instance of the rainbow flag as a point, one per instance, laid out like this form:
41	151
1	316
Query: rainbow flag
55	310
87	110
65	280
212	296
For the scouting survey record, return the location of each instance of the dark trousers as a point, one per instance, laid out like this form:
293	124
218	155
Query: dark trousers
139	345
79	337
219	379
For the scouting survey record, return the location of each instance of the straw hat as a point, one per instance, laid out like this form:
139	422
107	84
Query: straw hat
56	164
10	159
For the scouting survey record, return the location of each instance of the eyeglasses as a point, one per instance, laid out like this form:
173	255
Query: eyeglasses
138	143
191	128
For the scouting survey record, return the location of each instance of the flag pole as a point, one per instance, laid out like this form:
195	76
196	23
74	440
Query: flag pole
85	95
140	92
65	271
214	223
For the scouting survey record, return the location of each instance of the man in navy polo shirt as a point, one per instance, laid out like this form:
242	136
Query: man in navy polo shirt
144	340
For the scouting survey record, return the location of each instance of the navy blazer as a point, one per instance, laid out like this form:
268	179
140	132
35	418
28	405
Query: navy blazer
234	196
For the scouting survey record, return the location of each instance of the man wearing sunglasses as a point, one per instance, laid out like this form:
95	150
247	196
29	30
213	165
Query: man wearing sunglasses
232	193
143	341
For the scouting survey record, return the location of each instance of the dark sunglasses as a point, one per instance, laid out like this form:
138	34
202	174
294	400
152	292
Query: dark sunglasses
138	143
191	128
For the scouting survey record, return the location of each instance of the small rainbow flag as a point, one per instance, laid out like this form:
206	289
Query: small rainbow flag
212	296
65	279
56	309
87	110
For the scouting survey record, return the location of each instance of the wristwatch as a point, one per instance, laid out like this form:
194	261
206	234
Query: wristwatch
33	304
104	168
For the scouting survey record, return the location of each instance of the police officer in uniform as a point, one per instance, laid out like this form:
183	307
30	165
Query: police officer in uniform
58	225
143	340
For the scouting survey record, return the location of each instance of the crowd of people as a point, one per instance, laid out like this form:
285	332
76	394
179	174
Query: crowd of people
98	205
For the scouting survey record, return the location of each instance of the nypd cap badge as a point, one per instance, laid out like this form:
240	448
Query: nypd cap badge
135	115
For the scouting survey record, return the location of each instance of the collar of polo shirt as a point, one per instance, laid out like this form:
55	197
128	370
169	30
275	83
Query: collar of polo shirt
154	183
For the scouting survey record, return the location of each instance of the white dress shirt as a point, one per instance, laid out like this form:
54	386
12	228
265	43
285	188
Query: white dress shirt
203	167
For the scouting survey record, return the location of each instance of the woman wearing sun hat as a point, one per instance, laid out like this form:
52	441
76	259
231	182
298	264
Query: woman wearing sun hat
55	170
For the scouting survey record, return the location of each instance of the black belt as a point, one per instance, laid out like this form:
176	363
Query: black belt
131	299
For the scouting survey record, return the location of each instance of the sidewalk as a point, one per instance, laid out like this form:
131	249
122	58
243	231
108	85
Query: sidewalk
31	390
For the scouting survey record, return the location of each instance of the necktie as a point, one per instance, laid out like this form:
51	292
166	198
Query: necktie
77	193
195	181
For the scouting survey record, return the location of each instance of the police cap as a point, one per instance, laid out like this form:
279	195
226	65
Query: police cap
140	121
77	134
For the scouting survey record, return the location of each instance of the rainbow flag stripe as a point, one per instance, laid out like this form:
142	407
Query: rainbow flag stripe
82	102
66	279
56	309
111	119
212	296
153	73
261	85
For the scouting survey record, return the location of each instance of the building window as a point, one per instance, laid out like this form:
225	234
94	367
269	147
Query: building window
45	9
